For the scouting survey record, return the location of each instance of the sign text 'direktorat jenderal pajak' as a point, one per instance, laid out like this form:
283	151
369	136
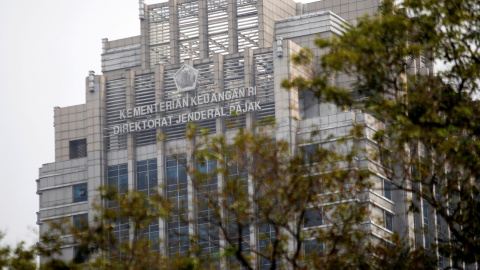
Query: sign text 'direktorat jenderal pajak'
186	102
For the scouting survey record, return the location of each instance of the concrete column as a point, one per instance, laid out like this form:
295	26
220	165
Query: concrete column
232	26
145	40
249	81
286	102
159	86
130	103
220	123
96	124
249	71
131	157
218	80
190	146
174	33
203	30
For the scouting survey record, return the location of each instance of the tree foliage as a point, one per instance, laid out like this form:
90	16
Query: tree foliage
18	257
305	208
430	141
101	244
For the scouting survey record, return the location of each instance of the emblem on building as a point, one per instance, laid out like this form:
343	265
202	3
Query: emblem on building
186	78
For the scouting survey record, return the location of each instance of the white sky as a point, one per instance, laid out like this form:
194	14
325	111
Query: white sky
46	50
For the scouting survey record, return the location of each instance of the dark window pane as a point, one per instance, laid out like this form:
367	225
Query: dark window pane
112	182
313	247
112	172
141	180
387	189
152	165
182	175
152	178
80	221
313	217
389	221
78	148
123	171
171	161
123	185
171	176
81	254
142	168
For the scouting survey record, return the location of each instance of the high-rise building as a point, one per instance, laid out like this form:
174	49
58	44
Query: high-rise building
198	61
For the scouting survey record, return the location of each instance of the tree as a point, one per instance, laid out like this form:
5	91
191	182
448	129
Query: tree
303	205
430	140
18	258
100	244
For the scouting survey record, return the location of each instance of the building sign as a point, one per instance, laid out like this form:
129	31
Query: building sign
185	79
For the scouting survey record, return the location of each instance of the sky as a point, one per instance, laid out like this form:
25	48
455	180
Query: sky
46	50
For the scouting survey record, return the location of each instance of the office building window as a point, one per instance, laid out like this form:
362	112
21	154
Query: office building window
151	233
312	248
266	237
388	221
121	230
118	180
147	180
81	254
313	217
78	148
80	192
80	221
387	189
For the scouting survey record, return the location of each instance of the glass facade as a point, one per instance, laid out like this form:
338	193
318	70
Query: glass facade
207	186
118	179
237	228
147	182
177	193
